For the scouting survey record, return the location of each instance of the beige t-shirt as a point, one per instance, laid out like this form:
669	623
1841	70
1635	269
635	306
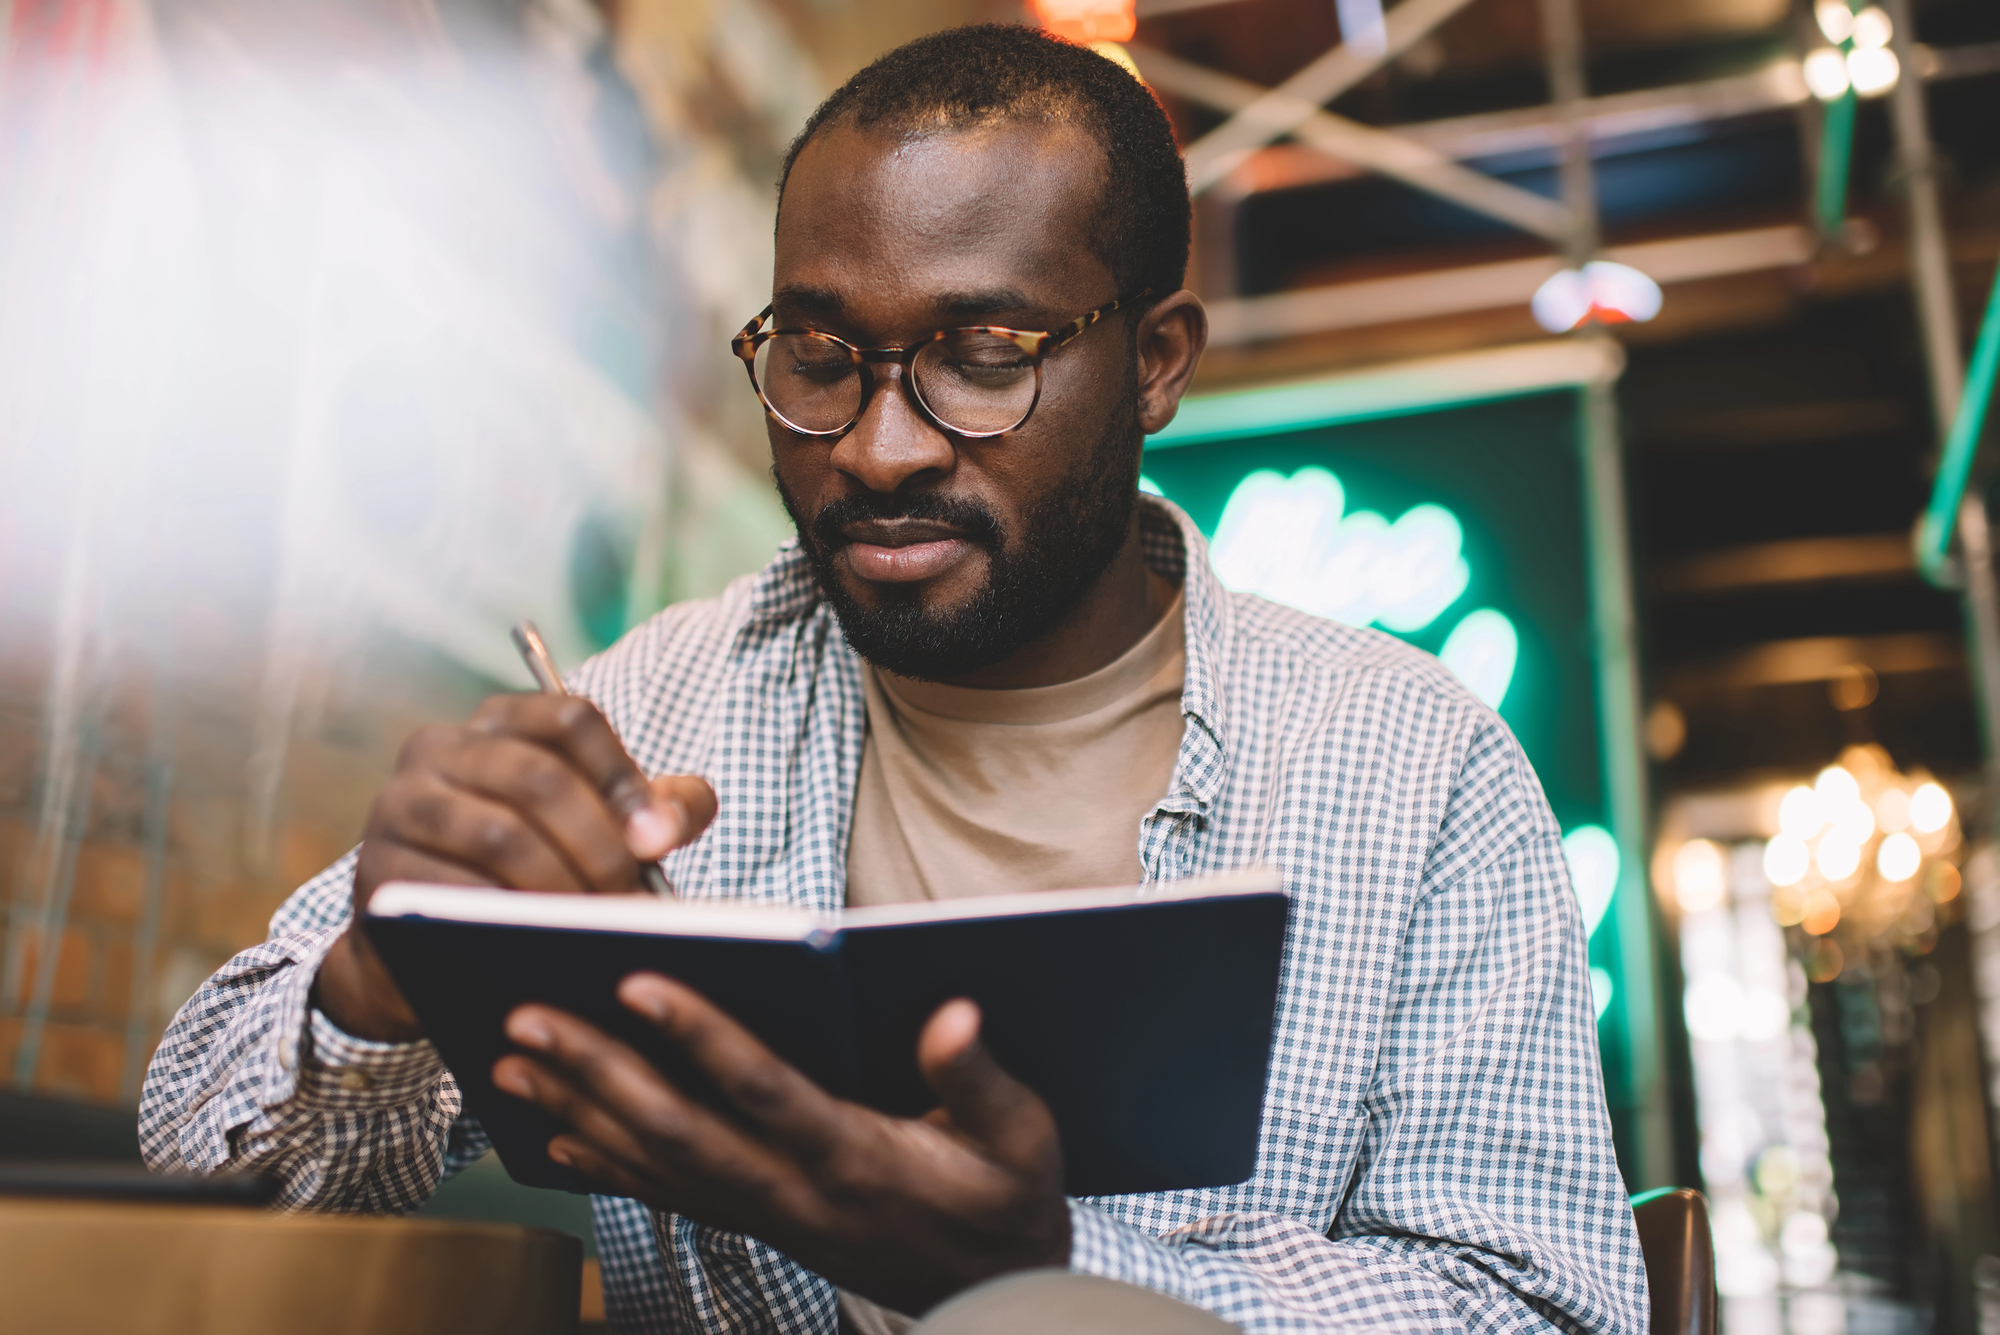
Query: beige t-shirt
983	792
976	792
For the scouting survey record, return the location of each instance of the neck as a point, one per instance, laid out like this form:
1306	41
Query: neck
1125	602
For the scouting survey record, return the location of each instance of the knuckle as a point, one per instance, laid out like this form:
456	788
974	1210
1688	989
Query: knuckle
543	779
406	804
495	707
661	1121
606	867
575	717
759	1089
596	1067
497	836
847	1168
423	744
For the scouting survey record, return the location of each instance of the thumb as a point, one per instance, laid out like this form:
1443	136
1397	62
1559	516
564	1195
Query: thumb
677	808
984	1101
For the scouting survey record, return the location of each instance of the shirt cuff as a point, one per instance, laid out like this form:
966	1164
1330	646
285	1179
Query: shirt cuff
337	1071
340	1071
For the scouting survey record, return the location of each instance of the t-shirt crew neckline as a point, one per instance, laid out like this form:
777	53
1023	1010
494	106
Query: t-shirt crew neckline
1037	705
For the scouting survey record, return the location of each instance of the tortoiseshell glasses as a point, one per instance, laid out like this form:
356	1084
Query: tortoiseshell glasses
979	381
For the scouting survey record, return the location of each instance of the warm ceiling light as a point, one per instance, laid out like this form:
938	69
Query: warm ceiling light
1089	20
1825	72
1835	788
1799	813
1701	876
1601	292
1836	858
1786	860
1872	29
1898	858
1836	20
1930	808
1873	71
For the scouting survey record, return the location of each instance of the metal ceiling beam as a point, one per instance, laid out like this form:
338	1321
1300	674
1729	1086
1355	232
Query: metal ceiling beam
1791	561
1407	160
1778	86
1283	109
1479	287
1423	384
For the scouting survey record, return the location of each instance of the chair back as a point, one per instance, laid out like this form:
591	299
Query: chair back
1680	1259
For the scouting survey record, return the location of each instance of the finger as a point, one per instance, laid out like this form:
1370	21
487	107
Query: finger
769	1091
384	859
691	798
553	1093
602	1077
581	1156
574	728
430	817
985	1103
725	1209
552	795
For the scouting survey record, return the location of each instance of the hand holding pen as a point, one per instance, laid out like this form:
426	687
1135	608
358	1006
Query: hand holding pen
542	667
534	792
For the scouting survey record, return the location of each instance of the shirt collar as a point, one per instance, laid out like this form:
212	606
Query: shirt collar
1170	544
1174	547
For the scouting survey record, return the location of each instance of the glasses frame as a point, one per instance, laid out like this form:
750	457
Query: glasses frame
1037	344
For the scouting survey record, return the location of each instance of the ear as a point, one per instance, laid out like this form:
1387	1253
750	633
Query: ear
1171	337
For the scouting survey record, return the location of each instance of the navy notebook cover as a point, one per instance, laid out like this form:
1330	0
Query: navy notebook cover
1142	1017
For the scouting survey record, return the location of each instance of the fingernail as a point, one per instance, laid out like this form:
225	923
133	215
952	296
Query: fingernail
561	1156
513	1082
653	1006
649	833
529	1031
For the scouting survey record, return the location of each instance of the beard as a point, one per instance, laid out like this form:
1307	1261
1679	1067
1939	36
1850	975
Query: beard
1035	577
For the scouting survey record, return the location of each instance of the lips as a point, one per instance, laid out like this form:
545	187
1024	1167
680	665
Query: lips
902	551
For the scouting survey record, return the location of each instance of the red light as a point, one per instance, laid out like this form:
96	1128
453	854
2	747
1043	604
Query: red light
1088	20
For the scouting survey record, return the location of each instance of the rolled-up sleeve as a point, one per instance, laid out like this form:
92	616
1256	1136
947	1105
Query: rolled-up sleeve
250	1077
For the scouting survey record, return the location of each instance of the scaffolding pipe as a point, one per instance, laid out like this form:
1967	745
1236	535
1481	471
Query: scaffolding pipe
1836	156
1612	618
1958	399
1966	415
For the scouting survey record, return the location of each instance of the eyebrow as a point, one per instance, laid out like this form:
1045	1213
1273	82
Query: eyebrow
822	303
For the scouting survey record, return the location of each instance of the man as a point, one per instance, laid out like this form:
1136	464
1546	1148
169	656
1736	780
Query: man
987	664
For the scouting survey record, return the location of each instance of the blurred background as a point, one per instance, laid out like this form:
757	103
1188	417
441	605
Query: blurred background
1630	355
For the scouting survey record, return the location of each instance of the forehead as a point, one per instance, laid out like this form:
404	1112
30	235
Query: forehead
895	226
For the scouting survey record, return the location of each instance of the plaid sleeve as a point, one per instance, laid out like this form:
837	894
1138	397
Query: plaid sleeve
1487	1197
725	1281
251	1076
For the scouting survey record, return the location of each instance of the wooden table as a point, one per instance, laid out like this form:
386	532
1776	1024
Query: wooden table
77	1267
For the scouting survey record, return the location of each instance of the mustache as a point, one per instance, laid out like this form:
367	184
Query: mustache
980	528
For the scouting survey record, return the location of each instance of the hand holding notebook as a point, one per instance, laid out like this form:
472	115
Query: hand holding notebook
814	1082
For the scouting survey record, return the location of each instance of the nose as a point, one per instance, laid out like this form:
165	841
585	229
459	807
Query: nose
892	442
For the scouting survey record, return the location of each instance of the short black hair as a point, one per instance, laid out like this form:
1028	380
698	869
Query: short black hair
993	72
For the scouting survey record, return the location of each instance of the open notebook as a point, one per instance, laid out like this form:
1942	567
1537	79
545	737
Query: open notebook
1141	1015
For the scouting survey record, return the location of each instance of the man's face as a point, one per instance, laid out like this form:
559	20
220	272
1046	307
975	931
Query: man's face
944	555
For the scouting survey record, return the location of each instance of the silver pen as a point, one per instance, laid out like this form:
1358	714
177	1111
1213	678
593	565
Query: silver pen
543	667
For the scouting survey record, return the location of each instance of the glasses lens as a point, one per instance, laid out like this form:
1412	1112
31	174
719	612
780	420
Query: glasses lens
976	383
810	380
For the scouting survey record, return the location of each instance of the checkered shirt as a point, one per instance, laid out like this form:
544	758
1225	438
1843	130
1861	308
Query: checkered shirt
1435	1154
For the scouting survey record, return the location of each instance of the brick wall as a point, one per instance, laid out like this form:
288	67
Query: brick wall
220	874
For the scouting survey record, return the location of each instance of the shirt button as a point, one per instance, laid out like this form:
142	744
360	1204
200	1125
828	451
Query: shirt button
353	1080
